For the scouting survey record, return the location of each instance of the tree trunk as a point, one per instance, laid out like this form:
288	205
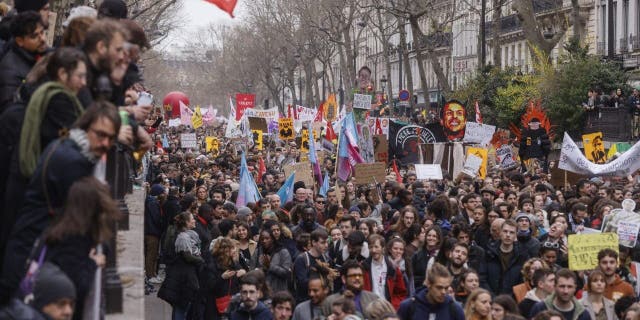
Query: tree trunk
533	30
385	49
418	37
579	22
405	57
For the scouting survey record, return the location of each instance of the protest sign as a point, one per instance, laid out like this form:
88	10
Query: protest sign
482	154
594	147
381	148
188	141
244	101
270	114
628	233
504	155
472	165
304	143
305	114
213	145
285	129
258	124
257	139
174	122
571	159
196	118
370	172
362	101
583	249
429	171
303	172
479	133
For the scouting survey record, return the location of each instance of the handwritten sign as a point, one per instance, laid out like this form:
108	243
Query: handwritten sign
370	172
628	233
478	133
429	171
258	123
270	114
583	249
482	154
362	101
188	141
174	122
303	172
285	129
472	165
504	155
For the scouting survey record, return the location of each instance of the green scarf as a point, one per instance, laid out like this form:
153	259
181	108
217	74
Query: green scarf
30	148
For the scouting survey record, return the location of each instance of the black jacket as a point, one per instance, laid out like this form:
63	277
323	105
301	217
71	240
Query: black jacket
152	217
180	286
212	286
171	208
534	144
14	67
499	280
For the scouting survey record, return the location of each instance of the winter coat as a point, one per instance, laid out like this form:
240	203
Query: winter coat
419	263
501	281
579	313
18	310
171	208
66	165
261	312
418	308
534	144
528	301
529	243
608	308
180	286
279	270
14	67
152	217
212	286
301	270
395	288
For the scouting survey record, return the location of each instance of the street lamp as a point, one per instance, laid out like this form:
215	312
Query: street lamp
383	85
297	56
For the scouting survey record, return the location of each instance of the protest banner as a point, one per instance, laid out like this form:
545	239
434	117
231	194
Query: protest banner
594	147
428	171
362	101
244	101
381	148
478	133
174	122
285	129
628	233
482	154
269	114
472	165
213	145
257	139
196	118
258	124
583	249
304	140
305	114
370	172
505	158
303	172
188	141
572	159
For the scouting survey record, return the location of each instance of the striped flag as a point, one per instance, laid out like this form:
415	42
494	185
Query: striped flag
312	156
286	191
248	191
478	113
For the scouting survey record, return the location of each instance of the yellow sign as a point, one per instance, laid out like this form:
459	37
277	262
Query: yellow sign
484	155
331	108
257	139
196	118
594	147
583	249
285	129
304	144
212	144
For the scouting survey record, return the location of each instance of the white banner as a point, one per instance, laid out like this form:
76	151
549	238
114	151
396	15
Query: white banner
267	114
428	171
174	122
478	133
305	114
188	141
505	157
572	159
362	101
472	165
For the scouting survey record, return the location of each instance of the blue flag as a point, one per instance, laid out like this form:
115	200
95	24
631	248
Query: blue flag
165	141
325	185
248	191
286	191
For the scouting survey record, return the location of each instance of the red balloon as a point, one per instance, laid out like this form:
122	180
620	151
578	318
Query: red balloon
172	101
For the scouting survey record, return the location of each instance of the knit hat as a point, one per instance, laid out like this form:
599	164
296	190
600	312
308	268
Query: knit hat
80	12
30	5
355	208
244	211
156	190
51	285
115	9
522	215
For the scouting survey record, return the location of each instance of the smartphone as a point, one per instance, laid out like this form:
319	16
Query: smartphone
145	99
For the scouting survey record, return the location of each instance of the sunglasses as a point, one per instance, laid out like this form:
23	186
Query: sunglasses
551	245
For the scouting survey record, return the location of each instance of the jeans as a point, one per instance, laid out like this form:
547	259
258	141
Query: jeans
180	313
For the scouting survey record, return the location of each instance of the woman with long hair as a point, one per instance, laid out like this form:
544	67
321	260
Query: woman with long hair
202	195
596	304
408	216
478	306
420	261
246	247
414	239
220	277
469	282
503	306
396	253
275	261
72	238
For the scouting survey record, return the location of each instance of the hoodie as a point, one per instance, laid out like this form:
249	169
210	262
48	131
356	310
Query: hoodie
418	307
618	289
261	312
579	312
529	300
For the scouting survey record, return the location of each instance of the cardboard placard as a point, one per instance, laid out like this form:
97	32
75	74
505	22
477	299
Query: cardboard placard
285	129
482	154
628	233
381	148
370	172
303	172
257	139
594	147
478	133
188	141
258	124
362	101
583	249
428	171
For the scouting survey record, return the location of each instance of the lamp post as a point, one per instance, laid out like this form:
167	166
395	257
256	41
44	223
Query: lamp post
383	85
297	56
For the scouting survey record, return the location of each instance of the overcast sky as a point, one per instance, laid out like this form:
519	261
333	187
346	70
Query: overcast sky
199	14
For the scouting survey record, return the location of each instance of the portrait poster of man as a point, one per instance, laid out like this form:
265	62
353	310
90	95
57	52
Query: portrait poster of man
453	119
594	147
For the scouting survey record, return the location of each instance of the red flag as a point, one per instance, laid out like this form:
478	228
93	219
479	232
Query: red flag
262	169
478	114
319	113
378	129
330	134
289	112
159	146
395	169
225	5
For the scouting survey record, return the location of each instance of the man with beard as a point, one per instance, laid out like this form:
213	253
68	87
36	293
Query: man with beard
353	280
251	306
454	120
563	299
308	260
457	262
308	222
318	290
616	287
63	162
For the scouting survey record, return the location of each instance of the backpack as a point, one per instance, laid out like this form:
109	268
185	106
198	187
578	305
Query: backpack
412	308
294	281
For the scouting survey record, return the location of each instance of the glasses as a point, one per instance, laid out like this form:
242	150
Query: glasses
551	245
353	276
320	202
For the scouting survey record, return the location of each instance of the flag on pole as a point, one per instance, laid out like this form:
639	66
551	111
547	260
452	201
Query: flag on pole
312	156
325	185
286	191
248	191
262	169
319	113
478	113
226	5
348	154
397	172
185	114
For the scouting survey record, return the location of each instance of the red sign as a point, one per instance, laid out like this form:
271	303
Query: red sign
243	102
404	95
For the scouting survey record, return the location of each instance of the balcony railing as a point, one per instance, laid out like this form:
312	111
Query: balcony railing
624	45
601	48
635	43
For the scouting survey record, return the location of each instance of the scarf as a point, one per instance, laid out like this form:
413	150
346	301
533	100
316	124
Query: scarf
79	136
30	148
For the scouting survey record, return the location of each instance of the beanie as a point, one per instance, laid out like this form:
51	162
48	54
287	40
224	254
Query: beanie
51	285
30	5
115	9
156	190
